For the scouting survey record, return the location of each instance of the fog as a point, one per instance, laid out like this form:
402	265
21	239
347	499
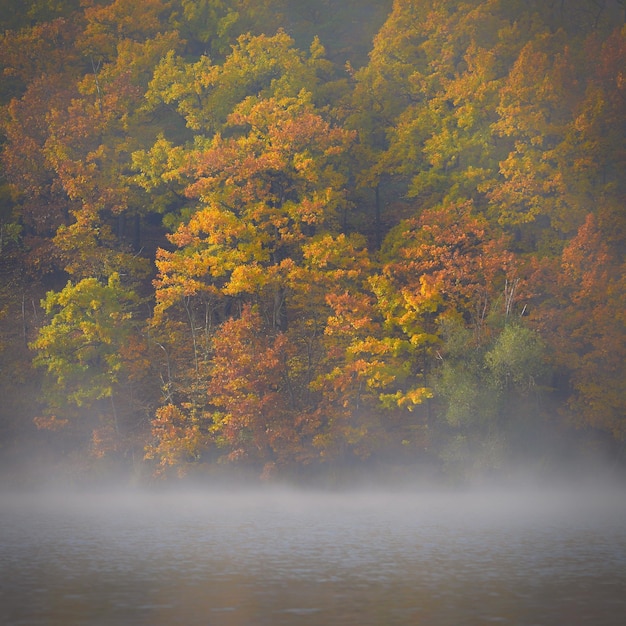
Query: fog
515	505
238	554
364	544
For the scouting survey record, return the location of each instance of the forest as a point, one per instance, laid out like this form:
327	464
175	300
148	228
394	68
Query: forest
312	237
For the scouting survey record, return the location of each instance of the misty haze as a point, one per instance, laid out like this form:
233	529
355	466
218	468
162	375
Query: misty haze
283	556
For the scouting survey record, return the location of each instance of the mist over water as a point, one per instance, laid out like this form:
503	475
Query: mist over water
286	556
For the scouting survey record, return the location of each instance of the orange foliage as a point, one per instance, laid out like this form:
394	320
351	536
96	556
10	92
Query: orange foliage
586	326
50	422
250	388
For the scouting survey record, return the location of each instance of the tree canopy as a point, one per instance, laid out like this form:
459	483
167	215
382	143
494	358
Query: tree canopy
257	233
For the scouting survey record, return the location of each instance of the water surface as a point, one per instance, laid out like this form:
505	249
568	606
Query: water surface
284	557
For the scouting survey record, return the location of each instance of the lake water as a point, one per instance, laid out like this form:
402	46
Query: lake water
307	558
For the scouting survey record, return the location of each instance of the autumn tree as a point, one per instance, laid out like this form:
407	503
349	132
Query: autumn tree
482	101
205	92
452	294
90	349
337	311
378	259
18	15
93	160
250	388
262	177
550	106
584	324
44	65
425	102
211	26
263	193
536	110
593	152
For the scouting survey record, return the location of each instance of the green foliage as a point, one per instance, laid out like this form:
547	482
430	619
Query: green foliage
205	92
516	361
461	379
490	391
81	347
17	14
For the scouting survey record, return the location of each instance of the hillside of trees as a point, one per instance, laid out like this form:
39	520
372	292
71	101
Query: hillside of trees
291	237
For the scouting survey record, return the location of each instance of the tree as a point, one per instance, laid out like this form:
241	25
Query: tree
425	103
19	15
447	292
205	93
454	258
249	388
536	109
89	147
584	323
211	26
593	151
108	24
83	346
260	182
42	65
336	315
263	193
